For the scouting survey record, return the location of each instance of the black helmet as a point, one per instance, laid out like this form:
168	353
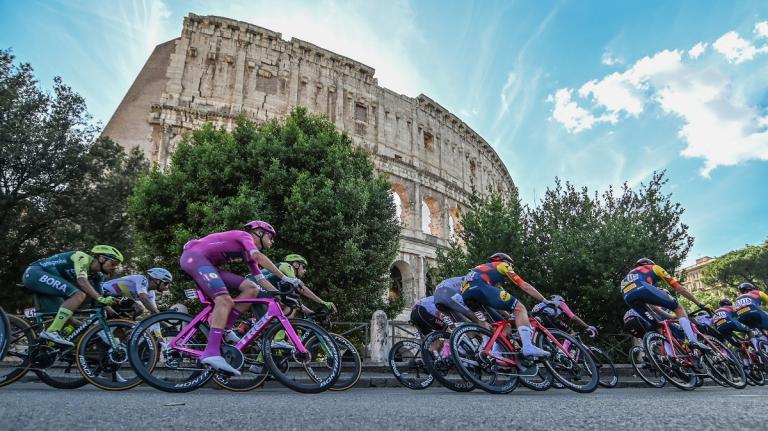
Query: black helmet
725	302
500	257
746	287
644	261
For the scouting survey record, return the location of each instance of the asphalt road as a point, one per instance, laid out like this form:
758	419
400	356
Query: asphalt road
34	406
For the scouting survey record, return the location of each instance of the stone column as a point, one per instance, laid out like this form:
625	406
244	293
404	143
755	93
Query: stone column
380	342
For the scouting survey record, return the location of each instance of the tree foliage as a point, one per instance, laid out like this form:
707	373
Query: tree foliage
576	243
745	264
301	175
61	187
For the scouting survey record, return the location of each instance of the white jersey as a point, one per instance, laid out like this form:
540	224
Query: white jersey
129	286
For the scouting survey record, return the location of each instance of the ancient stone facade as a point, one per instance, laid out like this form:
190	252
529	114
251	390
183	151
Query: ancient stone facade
221	68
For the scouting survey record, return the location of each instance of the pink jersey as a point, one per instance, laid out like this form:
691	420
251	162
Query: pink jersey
226	247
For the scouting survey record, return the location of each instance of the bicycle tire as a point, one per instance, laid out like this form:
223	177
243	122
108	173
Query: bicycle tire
606	370
440	368
723	364
16	362
93	363
327	358
653	342
349	356
472	364
168	360
412	373
645	369
560	364
70	380
5	330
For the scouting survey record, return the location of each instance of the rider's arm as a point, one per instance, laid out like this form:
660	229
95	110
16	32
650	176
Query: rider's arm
148	303
672	281
304	290
264	261
81	263
571	315
507	270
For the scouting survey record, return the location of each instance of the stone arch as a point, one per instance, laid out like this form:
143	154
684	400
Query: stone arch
401	278
404	211
430	216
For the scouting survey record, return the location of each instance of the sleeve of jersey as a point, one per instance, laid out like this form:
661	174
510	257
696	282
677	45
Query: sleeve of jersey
661	272
287	269
142	285
510	274
81	263
764	297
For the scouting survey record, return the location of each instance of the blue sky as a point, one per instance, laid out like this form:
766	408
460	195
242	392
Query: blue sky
594	92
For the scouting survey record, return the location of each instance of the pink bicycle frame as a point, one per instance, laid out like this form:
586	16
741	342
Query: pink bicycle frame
274	311
499	328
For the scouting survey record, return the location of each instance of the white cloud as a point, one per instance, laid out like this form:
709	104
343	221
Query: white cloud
571	115
761	29
736	49
609	60
719	125
698	49
509	92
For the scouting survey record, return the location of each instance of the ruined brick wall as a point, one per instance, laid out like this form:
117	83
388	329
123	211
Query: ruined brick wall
221	68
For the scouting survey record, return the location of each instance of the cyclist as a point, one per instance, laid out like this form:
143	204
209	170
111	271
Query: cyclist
748	305
424	316
553	315
201	258
448	294
295	266
639	288
63	281
140	289
481	285
725	322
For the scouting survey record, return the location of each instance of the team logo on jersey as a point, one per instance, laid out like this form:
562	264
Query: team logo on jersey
505	296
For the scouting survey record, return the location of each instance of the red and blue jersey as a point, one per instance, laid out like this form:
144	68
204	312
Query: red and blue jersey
750	301
650	274
493	273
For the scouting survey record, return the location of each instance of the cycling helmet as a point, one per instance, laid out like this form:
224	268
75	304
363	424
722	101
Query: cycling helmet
500	257
644	261
725	302
746	287
161	274
108	251
295	258
256	224
557	298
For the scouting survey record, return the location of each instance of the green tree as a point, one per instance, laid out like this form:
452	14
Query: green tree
745	264
576	243
61	187
301	175
491	224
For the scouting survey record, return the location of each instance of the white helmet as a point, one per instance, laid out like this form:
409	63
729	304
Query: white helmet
161	274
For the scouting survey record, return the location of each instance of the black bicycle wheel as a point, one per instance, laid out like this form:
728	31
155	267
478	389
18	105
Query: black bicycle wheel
674	368
436	354
15	364
574	367
105	365
407	365
723	364
173	370
608	377
645	369
467	343
351	364
56	365
312	372
5	330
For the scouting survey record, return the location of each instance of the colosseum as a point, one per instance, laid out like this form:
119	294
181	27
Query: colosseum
222	68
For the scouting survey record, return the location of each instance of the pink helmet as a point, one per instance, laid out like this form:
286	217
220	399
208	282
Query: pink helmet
256	224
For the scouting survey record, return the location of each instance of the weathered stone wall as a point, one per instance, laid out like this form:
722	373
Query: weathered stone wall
220	68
